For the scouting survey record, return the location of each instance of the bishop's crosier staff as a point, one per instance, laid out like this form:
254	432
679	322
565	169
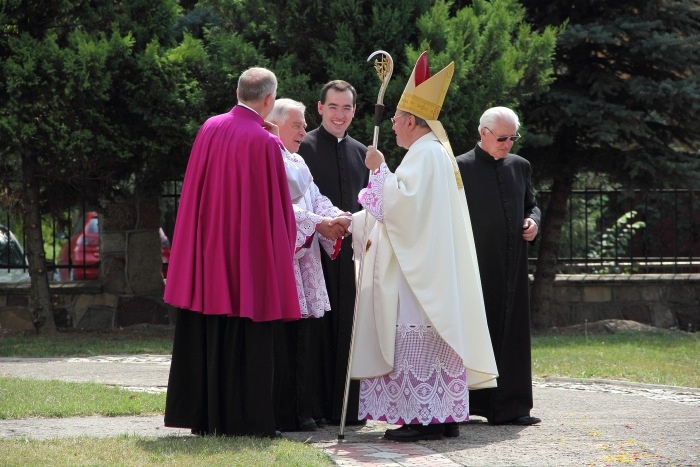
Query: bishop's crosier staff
384	69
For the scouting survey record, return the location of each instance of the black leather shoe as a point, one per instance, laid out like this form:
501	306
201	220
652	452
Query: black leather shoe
525	420
451	430
321	422
307	425
397	430
410	433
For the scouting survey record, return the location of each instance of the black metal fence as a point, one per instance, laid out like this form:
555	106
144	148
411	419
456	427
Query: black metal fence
632	231
605	232
169	200
69	240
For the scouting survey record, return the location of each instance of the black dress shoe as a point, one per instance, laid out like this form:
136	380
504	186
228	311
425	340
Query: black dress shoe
451	430
410	433
321	422
307	425
525	420
397	430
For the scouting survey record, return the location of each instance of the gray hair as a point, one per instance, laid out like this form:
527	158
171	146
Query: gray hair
419	121
498	114
281	109
256	83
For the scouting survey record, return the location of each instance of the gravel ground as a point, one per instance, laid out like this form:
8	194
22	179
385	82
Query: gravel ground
585	423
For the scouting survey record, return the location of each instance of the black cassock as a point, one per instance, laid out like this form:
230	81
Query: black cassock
339	171
500	197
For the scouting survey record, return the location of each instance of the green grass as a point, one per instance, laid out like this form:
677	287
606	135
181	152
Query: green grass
24	398
138	340
644	357
175	451
655	358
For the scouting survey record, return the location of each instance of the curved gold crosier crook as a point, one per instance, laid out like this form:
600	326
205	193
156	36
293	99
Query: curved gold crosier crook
384	68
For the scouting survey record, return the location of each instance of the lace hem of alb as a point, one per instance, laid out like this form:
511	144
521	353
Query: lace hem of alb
428	383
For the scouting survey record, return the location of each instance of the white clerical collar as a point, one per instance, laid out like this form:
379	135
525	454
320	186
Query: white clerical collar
339	139
247	107
479	144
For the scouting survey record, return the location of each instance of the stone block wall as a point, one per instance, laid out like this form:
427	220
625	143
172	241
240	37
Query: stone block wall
82	305
130	285
661	300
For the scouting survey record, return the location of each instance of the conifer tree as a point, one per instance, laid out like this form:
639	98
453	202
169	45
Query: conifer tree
96	102
498	57
625	104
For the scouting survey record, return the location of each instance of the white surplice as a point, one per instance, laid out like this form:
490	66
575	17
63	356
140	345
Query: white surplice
310	207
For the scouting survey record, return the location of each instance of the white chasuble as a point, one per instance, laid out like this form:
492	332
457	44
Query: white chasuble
421	253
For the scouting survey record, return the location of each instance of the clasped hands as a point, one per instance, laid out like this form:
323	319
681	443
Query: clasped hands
334	228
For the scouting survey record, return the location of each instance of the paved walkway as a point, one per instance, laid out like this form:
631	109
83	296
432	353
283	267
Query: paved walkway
585	423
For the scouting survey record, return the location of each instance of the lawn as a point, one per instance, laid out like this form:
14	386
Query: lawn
669	358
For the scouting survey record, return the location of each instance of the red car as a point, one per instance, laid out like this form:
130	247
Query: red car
82	252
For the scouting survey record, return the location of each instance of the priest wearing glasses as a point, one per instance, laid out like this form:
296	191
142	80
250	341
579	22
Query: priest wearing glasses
505	219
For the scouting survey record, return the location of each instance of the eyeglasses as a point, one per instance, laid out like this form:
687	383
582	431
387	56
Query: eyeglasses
501	139
393	119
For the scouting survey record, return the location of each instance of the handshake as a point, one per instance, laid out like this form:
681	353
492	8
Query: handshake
334	228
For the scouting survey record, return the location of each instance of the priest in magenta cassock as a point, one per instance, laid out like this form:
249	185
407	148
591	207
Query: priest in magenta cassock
231	275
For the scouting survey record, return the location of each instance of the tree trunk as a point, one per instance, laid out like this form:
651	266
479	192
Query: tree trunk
40	292
550	236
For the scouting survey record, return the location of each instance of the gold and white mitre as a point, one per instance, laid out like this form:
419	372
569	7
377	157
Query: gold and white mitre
423	97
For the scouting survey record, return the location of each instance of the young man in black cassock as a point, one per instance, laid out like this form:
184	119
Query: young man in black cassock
336	161
505	218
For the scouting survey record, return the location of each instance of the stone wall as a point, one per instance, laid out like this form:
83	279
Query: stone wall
82	305
661	300
664	300
130	288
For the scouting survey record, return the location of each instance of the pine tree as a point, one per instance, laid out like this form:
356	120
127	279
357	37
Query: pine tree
625	104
